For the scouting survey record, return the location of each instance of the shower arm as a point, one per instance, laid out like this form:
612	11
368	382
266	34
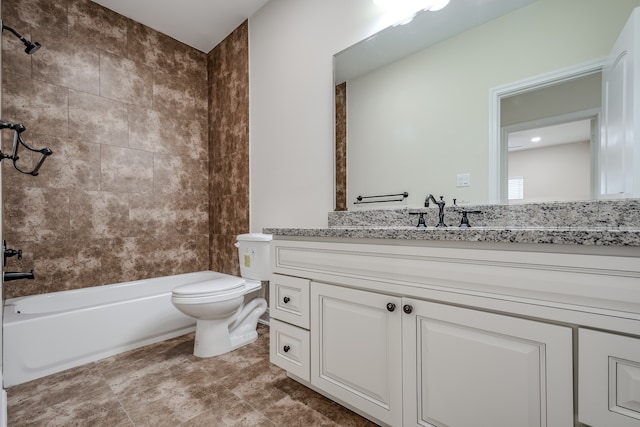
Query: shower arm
30	47
17	142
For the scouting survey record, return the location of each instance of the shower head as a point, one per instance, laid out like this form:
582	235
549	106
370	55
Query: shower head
31	47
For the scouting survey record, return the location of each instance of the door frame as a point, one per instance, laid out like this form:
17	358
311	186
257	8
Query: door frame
497	150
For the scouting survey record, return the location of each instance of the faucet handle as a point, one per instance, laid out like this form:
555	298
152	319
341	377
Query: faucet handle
421	222
464	221
8	253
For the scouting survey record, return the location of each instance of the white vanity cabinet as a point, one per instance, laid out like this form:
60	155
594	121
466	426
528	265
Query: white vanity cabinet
356	348
459	367
609	379
418	334
467	367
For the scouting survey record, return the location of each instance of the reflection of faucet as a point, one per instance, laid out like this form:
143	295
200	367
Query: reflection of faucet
15	275
440	204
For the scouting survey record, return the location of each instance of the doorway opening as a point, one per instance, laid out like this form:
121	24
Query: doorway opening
559	98
554	159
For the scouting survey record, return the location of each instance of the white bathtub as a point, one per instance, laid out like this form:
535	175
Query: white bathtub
48	333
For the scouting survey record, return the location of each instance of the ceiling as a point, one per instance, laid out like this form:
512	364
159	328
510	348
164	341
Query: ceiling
201	24
565	133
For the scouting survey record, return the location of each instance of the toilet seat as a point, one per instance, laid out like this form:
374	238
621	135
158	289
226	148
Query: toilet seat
218	289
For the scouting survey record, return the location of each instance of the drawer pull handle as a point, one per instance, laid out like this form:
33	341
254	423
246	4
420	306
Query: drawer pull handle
286	348
286	299
407	309
391	306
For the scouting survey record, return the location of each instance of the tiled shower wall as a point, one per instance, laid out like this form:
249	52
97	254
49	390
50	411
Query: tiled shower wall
124	108
228	70
341	147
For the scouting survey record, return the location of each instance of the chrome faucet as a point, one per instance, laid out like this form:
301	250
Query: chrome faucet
440	204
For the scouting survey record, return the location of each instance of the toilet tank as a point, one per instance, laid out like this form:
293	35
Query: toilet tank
253	253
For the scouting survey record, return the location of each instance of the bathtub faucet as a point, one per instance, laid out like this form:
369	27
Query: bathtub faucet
17	275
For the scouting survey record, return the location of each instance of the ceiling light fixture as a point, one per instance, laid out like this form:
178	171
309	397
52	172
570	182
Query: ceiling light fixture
536	139
403	11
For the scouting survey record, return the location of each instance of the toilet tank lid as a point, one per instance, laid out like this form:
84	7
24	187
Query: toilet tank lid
210	287
255	237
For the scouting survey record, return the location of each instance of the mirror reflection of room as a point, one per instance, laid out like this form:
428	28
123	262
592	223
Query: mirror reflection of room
417	123
551	141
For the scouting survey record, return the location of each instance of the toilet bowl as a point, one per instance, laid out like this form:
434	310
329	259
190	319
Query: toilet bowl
224	322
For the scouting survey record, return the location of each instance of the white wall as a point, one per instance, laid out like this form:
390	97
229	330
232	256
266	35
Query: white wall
291	48
555	173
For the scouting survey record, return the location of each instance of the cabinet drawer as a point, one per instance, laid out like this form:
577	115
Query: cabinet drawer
289	348
609	379
289	300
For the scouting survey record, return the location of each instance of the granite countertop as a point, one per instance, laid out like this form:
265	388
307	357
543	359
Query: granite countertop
621	236
613	223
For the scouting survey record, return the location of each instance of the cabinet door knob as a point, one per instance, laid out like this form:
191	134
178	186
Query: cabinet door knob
407	309
286	299
391	306
286	348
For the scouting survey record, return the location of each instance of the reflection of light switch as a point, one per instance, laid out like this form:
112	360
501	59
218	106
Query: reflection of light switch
463	180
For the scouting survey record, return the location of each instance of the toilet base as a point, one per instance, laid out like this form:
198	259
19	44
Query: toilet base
214	340
216	337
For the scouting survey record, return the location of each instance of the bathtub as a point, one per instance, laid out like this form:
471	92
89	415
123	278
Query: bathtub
48	333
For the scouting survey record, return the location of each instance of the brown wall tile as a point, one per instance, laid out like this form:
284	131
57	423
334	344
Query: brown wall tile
98	214
141	161
125	80
228	147
150	47
92	25
93	215
62	62
44	15
96	119
36	214
41	107
341	147
125	170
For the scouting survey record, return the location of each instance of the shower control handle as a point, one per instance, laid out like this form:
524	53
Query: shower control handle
286	299
407	308
8	253
286	348
391	306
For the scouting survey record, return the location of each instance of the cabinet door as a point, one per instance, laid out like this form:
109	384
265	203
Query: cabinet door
467	368
609	379
356	353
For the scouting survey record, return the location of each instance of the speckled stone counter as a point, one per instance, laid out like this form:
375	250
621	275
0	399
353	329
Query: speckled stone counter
602	223
564	236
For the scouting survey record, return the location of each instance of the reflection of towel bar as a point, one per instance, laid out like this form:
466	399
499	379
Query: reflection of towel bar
360	198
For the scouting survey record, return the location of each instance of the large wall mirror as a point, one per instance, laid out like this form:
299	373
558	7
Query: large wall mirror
418	110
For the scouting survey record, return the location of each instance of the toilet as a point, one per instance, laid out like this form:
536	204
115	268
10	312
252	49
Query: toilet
224	322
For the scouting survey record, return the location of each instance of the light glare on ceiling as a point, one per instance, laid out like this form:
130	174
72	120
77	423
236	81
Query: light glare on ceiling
402	11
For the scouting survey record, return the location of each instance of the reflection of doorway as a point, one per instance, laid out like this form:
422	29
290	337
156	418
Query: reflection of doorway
552	159
563	96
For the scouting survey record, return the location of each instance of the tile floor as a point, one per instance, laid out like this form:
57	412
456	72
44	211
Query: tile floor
165	385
